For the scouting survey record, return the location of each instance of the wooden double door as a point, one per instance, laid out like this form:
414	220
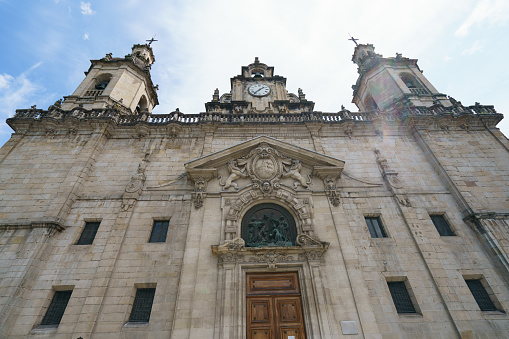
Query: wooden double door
274	308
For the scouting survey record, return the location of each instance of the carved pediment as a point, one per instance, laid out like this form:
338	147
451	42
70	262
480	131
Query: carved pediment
266	163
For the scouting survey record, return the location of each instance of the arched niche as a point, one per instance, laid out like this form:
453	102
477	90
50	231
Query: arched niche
370	104
268	224
102	81
409	80
237	208
142	104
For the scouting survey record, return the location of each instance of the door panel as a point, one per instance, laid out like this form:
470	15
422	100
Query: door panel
291	333
260	334
276	314
260	310
288	309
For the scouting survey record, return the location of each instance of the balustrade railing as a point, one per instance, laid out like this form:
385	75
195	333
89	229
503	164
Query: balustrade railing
247	118
93	93
419	91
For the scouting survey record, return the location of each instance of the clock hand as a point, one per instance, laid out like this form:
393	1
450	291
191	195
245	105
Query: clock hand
259	89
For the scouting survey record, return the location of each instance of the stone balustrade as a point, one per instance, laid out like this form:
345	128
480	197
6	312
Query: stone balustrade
247	118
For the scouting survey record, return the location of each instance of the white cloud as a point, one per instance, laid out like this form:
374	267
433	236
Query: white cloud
86	37
476	47
5	80
17	92
85	8
494	11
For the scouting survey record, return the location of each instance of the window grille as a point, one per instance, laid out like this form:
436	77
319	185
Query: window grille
88	234
56	308
142	305
442	226
480	294
159	231
375	227
401	298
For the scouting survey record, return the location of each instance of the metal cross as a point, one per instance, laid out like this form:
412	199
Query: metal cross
151	40
354	40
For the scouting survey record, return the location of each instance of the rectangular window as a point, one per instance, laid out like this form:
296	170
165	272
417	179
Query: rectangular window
441	224
400	296
56	309
159	231
480	294
375	227
88	234
142	305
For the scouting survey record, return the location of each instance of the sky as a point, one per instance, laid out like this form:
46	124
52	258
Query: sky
462	46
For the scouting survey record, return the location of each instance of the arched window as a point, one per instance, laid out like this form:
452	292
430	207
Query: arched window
98	85
102	81
268	225
412	83
257	73
142	104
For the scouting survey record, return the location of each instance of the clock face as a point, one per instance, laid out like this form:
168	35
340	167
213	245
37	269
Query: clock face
259	90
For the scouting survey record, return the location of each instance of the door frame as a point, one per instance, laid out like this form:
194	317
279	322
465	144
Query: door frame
274	296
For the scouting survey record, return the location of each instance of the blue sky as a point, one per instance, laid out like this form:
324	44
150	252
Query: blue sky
47	44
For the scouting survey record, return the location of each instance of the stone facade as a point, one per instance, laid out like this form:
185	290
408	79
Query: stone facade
410	152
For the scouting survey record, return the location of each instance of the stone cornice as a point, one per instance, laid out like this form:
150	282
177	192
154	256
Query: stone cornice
479	116
34	224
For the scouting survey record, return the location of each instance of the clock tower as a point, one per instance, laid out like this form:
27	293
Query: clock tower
258	90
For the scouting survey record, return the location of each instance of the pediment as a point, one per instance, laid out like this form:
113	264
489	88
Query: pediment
265	163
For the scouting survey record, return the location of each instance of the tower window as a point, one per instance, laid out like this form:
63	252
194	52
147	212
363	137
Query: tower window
257	73
142	306
56	309
142	105
401	297
102	81
88	235
480	294
375	227
159	231
412	83
441	224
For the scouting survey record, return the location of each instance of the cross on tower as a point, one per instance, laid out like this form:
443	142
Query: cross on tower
354	40
151	40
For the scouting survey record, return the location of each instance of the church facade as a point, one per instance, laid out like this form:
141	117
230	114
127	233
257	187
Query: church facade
258	218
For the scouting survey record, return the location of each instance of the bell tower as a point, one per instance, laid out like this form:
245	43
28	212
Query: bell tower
384	83
121	83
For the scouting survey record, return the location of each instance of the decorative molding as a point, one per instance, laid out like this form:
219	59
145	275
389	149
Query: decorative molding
390	175
200	178
135	187
307	249
330	176
50	225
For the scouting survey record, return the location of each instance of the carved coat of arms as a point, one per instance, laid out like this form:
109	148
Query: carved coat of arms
265	166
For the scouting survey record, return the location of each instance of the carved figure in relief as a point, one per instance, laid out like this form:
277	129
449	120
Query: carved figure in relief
294	172
235	173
